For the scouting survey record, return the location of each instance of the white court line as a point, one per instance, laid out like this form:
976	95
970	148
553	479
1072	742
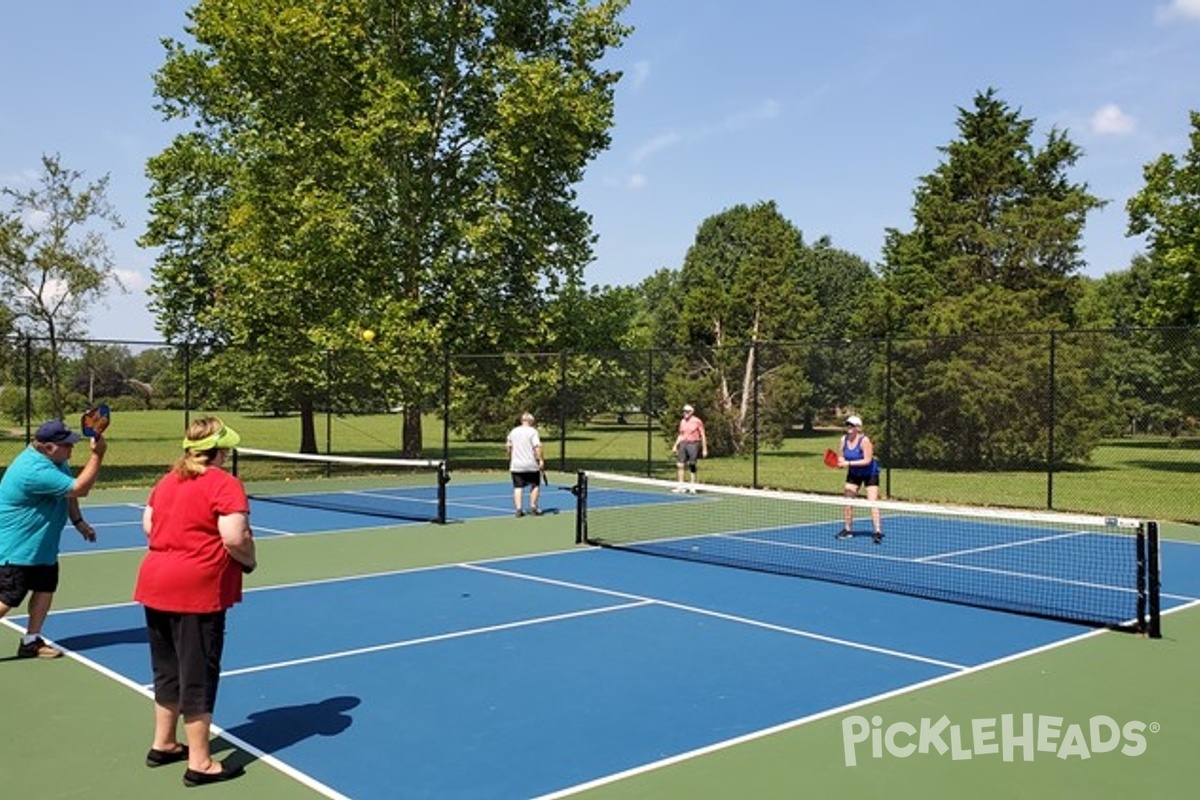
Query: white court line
973	550
441	637
967	567
796	723
148	692
344	578
720	615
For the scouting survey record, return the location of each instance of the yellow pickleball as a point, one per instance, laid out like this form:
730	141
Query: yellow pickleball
368	336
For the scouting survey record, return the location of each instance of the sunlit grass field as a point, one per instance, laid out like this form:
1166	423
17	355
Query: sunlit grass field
1147	477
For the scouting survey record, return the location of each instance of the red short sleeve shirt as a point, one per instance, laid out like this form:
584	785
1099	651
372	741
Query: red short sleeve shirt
188	569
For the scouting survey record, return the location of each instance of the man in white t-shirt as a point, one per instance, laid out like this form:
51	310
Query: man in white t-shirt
525	462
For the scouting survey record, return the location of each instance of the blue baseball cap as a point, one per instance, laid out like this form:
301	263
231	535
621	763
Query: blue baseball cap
56	432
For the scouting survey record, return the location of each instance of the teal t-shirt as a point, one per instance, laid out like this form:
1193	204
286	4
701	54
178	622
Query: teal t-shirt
33	509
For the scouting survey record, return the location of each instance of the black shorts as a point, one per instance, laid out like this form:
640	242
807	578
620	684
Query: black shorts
522	479
17	581
689	453
185	652
862	480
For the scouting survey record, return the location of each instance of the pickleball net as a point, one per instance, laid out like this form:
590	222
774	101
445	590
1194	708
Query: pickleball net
389	488
1099	571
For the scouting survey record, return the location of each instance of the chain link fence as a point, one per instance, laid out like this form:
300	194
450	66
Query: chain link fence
1104	421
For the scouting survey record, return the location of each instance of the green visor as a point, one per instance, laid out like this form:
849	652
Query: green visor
224	439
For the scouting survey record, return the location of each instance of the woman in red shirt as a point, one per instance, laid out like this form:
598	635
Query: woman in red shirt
198	524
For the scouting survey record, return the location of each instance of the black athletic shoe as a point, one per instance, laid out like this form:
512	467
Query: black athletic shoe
846	534
38	649
193	778
878	537
160	758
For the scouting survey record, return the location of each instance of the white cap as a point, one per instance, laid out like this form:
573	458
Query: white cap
854	420
688	407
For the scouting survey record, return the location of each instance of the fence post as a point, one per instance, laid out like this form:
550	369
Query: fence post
756	374
187	385
329	409
887	416
446	409
562	410
648	407
1051	424
28	389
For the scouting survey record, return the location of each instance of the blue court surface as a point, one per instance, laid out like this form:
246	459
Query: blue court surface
531	676
119	527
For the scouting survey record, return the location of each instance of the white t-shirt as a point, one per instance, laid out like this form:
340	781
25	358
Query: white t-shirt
521	443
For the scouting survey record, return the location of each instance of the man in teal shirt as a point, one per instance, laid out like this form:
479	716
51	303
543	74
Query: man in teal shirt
38	494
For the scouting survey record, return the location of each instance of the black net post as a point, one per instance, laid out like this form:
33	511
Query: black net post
1153	577
443	478
1140	543
580	492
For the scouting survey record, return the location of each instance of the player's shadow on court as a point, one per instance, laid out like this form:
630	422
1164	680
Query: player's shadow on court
274	729
92	641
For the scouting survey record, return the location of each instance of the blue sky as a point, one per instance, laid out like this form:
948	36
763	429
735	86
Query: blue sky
833	110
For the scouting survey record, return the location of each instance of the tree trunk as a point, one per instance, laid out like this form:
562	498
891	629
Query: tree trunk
308	426
412	442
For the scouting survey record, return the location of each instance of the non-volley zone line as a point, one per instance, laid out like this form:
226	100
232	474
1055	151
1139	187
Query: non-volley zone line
441	637
625	601
640	600
930	562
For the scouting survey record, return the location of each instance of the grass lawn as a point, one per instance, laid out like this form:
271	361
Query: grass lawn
1147	477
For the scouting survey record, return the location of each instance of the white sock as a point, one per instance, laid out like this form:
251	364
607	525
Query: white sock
30	638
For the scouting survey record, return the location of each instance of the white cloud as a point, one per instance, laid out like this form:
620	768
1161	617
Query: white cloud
656	145
636	181
736	121
1179	10
1110	120
53	291
766	110
34	219
641	72
131	279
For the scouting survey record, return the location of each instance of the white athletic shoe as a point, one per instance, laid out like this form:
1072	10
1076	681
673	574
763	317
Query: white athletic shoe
679	490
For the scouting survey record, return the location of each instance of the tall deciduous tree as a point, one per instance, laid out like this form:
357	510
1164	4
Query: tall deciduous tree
55	263
740	287
1167	210
403	166
995	249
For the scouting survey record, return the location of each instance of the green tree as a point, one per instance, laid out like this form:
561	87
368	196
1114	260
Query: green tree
55	262
398	165
997	212
740	287
1167	211
995	250
594	369
103	373
842	285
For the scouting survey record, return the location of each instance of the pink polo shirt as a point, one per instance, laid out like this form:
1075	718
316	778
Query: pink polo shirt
690	429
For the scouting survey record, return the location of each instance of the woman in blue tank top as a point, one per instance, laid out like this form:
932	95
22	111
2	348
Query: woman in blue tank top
862	469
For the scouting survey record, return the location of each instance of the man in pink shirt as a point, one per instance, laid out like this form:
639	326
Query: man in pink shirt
690	445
